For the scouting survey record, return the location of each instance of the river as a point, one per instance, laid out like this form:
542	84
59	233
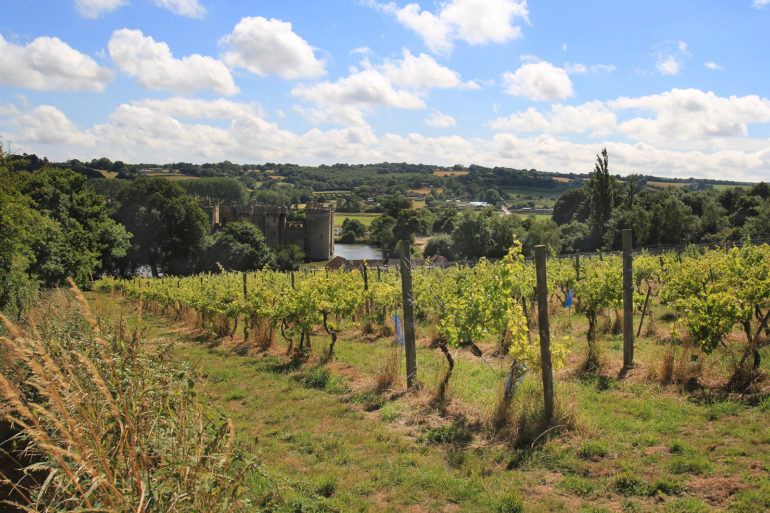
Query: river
357	251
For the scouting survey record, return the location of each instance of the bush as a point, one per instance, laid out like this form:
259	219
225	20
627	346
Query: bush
510	503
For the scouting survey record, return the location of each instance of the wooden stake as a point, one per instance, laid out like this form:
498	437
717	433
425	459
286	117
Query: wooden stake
408	300
628	301
545	332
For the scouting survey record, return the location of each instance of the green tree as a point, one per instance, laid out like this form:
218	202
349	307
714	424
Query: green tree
381	233
602	196
352	230
288	258
238	247
571	205
168	226
440	244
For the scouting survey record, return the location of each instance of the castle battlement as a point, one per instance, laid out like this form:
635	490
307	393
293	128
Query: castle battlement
314	236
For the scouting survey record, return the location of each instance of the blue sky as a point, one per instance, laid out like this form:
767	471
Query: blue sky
673	88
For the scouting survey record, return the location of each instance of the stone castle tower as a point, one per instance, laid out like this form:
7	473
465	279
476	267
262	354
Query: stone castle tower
314	236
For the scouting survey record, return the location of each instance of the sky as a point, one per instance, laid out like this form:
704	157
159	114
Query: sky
671	88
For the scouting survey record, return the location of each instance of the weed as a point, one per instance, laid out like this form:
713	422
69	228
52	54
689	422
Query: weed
678	447
390	412
577	485
510	503
687	505
453	433
749	501
326	485
628	483
117	423
594	450
235	395
666	486
316	377
593	509
690	464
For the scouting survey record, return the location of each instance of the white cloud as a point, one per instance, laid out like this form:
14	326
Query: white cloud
538	81
189	8
420	72
440	120
155	67
48	125
713	65
265	46
364	89
190	108
147	132
48	63
668	66
670	56
760	3
580	69
592	117
94	8
473	21
692	117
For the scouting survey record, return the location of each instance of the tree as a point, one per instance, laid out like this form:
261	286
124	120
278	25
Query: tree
80	239
288	258
410	222
381	233
602	196
441	245
472	235
168	226
570	206
352	230
238	247
543	231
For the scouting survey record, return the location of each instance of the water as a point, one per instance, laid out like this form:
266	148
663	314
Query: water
357	251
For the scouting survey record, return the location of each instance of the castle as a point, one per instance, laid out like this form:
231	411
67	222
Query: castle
314	235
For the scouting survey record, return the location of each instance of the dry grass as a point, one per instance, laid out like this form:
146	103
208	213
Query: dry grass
108	422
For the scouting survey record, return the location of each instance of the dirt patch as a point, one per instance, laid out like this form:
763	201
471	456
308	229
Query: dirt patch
715	490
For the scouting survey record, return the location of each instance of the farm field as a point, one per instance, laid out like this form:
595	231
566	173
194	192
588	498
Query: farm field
330	441
342	433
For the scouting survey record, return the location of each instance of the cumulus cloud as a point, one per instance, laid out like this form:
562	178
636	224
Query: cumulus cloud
49	126
154	66
266	47
48	63
420	72
760	3
692	116
94	8
366	88
713	65
473	21
189	8
155	132
538	81
668	65
592	117
440	120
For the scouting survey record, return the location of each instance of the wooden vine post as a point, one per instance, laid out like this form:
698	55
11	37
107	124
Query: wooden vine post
408	301
545	332
628	301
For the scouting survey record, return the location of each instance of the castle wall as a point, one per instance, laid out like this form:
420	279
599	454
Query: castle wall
315	236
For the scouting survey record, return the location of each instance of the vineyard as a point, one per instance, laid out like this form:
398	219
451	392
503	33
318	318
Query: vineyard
287	391
712	292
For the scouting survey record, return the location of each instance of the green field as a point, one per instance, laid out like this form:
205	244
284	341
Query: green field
365	218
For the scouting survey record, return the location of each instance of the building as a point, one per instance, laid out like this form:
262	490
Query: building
313	234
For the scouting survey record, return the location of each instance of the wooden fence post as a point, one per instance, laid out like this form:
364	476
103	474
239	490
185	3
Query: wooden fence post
628	301
545	332
408	300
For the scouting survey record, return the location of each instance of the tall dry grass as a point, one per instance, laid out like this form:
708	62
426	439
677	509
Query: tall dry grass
110	423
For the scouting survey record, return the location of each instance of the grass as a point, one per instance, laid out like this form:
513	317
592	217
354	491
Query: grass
364	217
329	440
